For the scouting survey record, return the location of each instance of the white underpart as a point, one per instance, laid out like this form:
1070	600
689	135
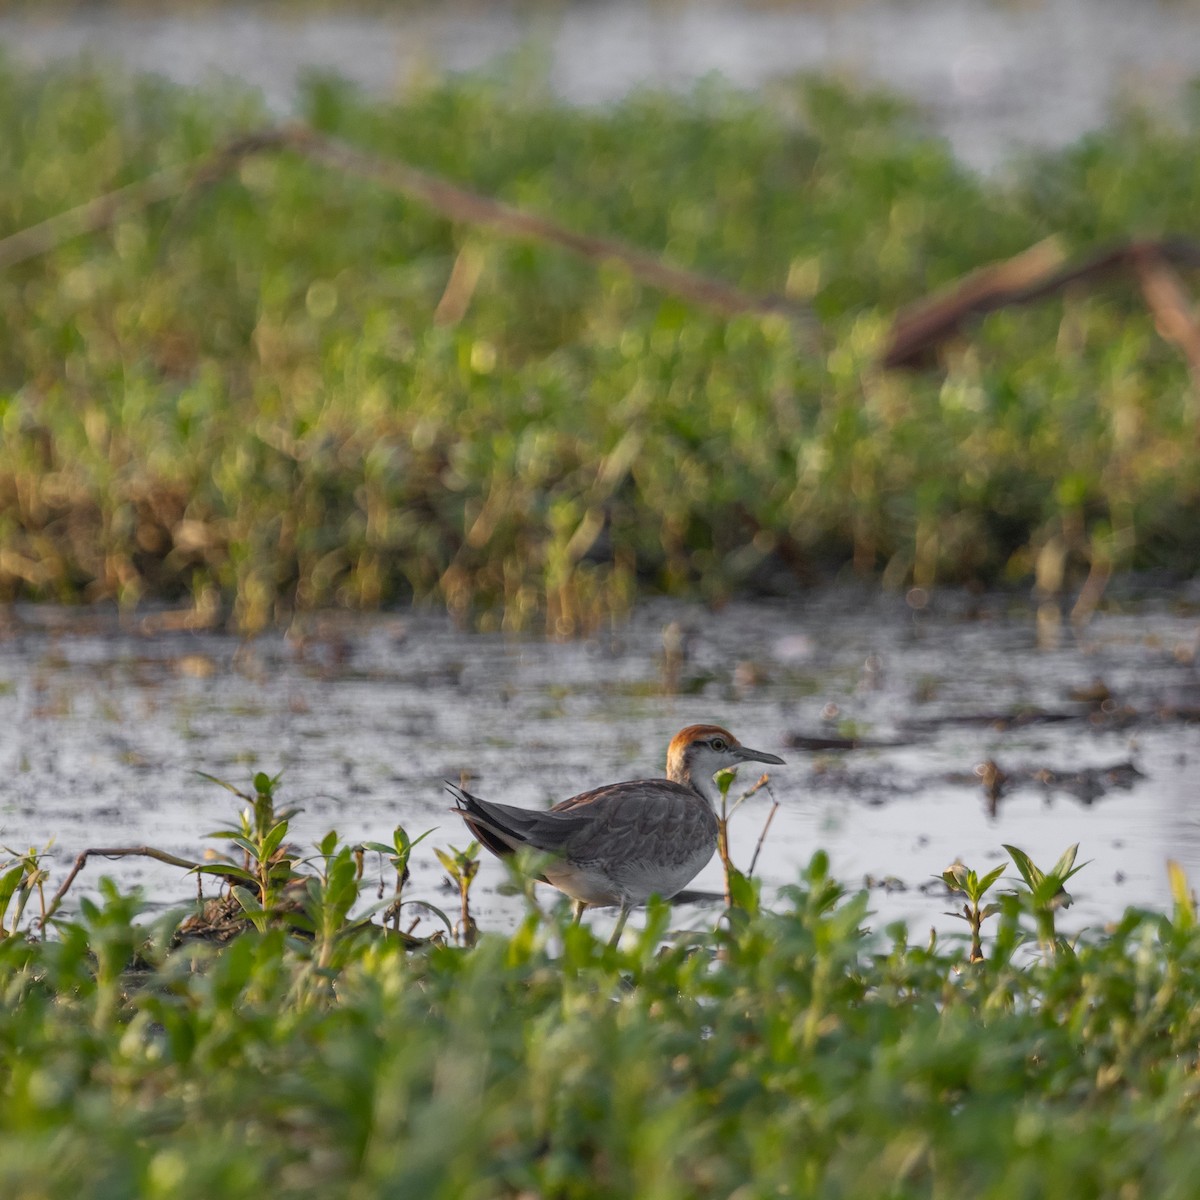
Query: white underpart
632	882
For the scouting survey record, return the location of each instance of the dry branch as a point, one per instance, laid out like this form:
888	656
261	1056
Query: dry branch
451	201
1168	300
103	211
82	857
91	217
1035	273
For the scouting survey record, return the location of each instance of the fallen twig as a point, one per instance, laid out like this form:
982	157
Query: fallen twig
1041	271
91	217
449	199
82	857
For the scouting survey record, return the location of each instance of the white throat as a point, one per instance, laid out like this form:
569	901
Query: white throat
706	785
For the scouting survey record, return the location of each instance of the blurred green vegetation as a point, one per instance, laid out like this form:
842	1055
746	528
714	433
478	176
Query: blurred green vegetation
788	1054
245	401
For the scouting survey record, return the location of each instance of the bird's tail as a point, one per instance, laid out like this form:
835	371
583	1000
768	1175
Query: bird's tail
478	820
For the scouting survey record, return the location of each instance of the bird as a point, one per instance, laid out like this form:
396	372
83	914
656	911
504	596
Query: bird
624	842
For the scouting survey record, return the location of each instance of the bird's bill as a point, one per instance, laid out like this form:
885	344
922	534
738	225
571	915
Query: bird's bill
758	755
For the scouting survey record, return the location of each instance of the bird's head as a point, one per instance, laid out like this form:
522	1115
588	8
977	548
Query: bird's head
698	752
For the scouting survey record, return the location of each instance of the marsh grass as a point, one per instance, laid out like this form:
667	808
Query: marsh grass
296	390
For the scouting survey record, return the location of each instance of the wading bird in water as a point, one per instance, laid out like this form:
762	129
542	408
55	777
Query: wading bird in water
622	843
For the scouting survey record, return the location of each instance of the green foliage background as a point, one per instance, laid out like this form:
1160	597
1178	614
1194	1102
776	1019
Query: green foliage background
245	400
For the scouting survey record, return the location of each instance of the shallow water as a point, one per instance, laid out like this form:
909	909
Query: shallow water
993	77
106	724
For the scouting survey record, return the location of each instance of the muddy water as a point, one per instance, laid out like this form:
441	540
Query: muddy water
991	76
104	726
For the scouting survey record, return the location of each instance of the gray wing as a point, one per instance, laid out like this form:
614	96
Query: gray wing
652	821
645	820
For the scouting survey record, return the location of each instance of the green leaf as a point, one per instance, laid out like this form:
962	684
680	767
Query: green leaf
743	892
9	882
226	869
983	885
1024	864
300	921
374	847
247	900
274	838
1063	868
433	908
955	877
1184	916
405	844
227	786
250	847
817	871
1050	893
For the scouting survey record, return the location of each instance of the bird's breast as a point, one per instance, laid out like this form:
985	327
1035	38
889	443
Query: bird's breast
638	880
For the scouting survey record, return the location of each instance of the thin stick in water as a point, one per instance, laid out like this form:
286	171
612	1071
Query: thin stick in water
762	837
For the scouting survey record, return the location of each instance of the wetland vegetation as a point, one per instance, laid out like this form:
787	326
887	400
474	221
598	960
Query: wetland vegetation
292	390
795	1052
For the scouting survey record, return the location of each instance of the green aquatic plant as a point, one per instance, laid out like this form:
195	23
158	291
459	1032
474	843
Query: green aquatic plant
398	855
462	866
268	863
1046	893
20	877
330	896
741	892
294	390
795	1048
959	878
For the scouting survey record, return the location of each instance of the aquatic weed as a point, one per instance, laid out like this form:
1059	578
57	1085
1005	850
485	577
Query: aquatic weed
811	1056
225	408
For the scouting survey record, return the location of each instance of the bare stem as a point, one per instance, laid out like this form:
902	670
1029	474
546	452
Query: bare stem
723	851
81	859
762	837
763	780
468	930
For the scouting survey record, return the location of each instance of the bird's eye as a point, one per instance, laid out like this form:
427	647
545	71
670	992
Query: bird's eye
719	744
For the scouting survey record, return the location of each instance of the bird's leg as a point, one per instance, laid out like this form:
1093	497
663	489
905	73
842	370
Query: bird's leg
620	925
578	906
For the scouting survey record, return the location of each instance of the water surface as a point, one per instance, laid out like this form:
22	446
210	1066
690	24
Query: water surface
993	77
106	724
